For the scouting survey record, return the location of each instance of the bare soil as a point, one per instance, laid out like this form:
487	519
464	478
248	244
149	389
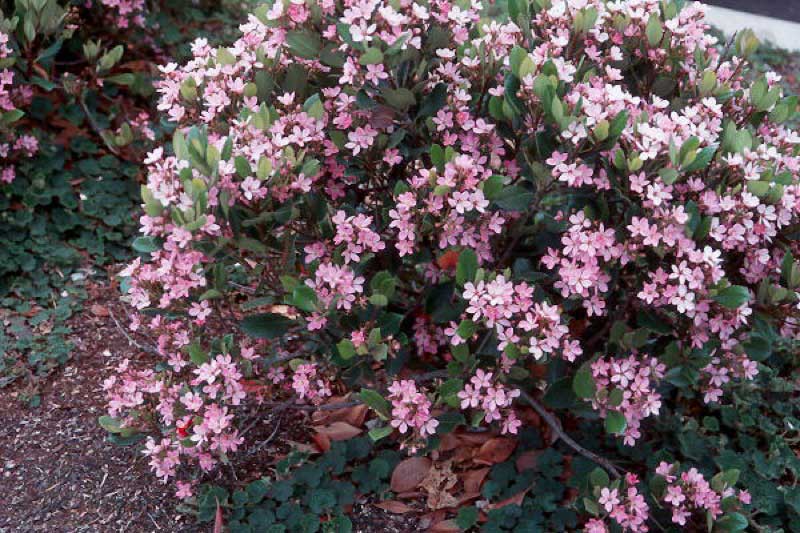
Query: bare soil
58	473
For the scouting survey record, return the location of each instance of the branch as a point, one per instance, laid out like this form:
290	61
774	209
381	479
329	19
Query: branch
94	125
555	425
131	340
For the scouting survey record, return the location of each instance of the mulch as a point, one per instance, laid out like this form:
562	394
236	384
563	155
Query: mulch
58	473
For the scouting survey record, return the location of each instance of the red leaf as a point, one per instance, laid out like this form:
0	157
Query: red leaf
218	523
322	441
448	260
495	451
409	474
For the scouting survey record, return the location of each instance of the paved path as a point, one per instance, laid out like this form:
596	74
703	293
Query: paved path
781	9
783	32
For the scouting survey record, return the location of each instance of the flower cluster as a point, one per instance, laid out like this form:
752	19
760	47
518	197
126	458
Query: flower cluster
124	14
627	507
688	492
308	385
411	411
493	398
509	308
628	386
399	186
13	97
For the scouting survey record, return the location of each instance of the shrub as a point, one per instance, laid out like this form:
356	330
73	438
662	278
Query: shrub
76	101
447	209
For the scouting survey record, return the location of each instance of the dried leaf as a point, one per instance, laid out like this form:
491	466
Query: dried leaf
339	431
410	473
99	310
439	484
394	506
445	526
322	441
496	451
527	460
473	479
515	499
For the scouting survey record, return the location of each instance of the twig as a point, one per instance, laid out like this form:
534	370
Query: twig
94	124
289	404
555	425
266	441
131	340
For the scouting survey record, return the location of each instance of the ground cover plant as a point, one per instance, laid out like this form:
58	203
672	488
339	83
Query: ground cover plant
578	218
78	116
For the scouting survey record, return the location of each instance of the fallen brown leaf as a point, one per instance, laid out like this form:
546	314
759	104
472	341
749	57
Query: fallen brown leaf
98	310
515	499
473	479
495	451
322	441
394	506
445	526
409	473
218	522
339	431
439	484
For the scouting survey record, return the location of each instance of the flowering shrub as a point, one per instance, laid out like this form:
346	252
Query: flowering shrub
448	208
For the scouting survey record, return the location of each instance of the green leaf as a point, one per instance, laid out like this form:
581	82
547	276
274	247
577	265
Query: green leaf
304	44
514	198
467	517
583	384
599	478
757	348
654	30
122	79
466	329
379	433
732	522
376	402
372	56
733	297
145	245
615	422
702	159
346	349
400	99
467	266
266	325
304	298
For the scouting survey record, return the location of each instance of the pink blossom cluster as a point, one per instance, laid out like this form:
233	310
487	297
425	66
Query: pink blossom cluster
13	144
509	308
308	385
411	411
634	380
653	255
336	287
340	162
125	14
355	234
626	506
493	398
688	492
